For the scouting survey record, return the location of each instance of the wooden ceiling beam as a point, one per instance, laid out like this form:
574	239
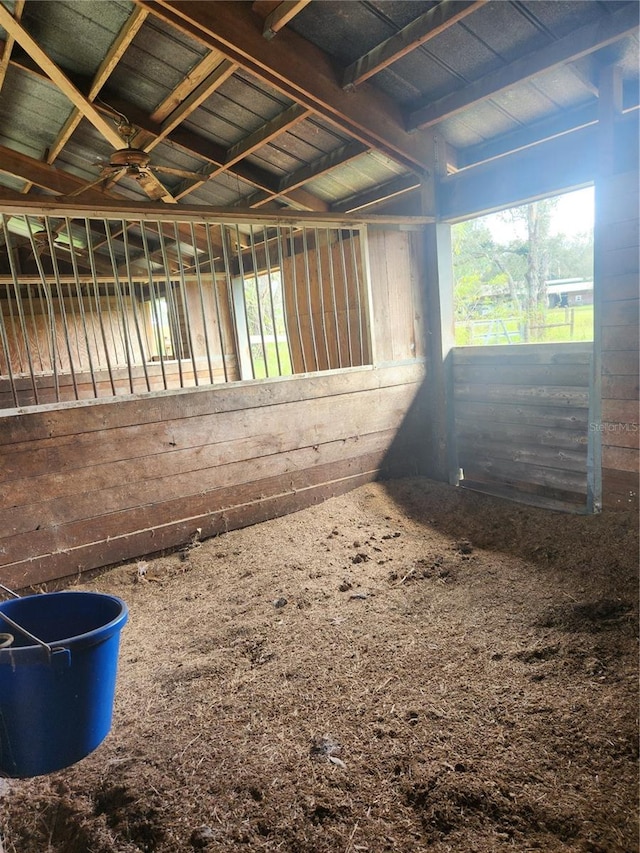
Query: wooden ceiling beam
196	145
8	45
57	76
298	69
418	32
580	43
281	15
44	175
221	72
283	122
113	56
316	169
151	185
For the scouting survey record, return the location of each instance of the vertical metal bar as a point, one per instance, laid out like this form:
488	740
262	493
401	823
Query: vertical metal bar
332	284
34	326
354	259
63	313
134	303
74	265
307	275
20	308
217	301
121	306
292	245
280	239
224	235
50	312
177	345
368	301
154	306
72	301
96	296
254	261
347	306
274	325
244	299
201	295
14	330
105	226
5	345
321	289
185	302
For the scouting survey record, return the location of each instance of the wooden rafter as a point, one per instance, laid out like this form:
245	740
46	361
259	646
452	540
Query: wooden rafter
319	167
262	136
281	15
43	175
580	43
221	71
113	56
268	187
8	46
152	187
299	69
418	32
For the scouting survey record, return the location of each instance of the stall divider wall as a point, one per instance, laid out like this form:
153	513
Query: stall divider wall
87	484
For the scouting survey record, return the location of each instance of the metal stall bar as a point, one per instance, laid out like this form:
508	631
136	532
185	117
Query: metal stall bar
256	280
280	239
126	339
205	325
332	285
270	286
63	313
154	305
81	311
185	302
214	283
51	337
20	307
134	304
292	255
96	297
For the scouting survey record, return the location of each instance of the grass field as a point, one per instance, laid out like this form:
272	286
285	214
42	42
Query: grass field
558	324
272	360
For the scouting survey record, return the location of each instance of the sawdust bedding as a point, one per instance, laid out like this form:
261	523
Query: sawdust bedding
409	667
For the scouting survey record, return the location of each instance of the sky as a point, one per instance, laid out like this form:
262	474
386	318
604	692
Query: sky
573	215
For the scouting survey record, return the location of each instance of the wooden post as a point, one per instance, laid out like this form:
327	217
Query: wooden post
609	110
441	462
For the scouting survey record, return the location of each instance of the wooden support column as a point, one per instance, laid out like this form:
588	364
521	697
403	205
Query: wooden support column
438	297
613	416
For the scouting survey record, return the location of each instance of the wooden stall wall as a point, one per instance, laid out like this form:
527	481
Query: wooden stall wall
83	485
617	254
521	421
96	335
325	291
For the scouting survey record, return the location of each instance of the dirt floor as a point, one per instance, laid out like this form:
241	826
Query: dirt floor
409	667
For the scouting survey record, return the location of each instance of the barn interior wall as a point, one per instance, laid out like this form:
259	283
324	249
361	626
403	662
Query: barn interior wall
86	484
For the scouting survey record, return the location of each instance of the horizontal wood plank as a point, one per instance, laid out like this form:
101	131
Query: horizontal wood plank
95	554
71	419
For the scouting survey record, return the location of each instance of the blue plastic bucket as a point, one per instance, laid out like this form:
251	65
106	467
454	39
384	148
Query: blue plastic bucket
56	708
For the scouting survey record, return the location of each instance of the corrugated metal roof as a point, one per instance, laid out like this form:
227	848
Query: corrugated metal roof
161	58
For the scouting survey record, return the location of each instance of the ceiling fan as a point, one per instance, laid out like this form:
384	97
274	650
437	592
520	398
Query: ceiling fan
33	228
130	162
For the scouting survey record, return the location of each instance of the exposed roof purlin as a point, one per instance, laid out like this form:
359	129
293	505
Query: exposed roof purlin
300	70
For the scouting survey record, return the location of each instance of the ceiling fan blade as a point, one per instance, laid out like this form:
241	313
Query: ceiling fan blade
106	176
180	173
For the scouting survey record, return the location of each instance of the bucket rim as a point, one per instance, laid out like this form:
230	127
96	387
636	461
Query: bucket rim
108	628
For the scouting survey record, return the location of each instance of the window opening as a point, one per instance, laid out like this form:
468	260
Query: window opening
525	275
